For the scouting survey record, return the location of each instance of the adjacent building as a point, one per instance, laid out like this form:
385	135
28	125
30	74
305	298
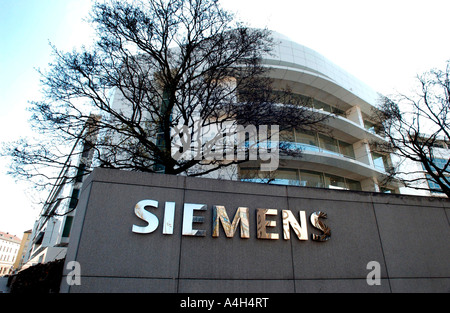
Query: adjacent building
50	234
20	259
9	247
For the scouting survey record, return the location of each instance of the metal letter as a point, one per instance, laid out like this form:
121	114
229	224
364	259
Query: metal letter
150	218
241	215
169	216
189	218
321	226
289	219
262	223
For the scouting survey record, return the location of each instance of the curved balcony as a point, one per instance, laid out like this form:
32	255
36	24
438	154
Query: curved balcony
316	76
348	130
314	158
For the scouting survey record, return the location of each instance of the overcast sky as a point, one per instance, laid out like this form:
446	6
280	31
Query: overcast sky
383	43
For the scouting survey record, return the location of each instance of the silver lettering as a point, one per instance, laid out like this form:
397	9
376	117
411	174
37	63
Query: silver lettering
143	214
189	218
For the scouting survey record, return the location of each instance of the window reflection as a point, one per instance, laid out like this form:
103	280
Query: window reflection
296	177
315	142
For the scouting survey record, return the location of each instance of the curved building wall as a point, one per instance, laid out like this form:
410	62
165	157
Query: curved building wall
293	62
349	103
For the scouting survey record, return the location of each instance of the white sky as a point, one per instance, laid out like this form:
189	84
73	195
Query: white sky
383	43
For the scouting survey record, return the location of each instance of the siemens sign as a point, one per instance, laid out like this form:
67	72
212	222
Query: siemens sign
265	220
144	232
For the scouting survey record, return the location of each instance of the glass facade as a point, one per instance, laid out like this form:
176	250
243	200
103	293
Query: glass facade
328	144
311	179
442	164
346	149
298	99
335	182
299	177
316	142
306	140
381	161
371	127
433	185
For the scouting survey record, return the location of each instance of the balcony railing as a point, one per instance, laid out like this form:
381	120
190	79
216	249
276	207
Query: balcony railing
312	148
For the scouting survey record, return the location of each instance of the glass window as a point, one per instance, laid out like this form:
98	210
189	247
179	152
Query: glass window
380	161
287	136
287	140
334	182
319	105
373	128
346	149
353	184
439	144
279	177
86	149
328	143
74	198
440	163
252	175
80	173
286	177
369	126
67	226
293	177
338	112
433	184
307	140
311	179
305	137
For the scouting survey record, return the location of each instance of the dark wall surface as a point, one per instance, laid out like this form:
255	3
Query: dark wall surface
408	236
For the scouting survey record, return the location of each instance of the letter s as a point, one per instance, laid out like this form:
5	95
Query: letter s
143	214
321	226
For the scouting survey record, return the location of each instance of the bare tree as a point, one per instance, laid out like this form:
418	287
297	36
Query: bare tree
157	66
417	128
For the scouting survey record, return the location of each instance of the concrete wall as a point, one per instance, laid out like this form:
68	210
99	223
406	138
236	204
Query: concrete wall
408	236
